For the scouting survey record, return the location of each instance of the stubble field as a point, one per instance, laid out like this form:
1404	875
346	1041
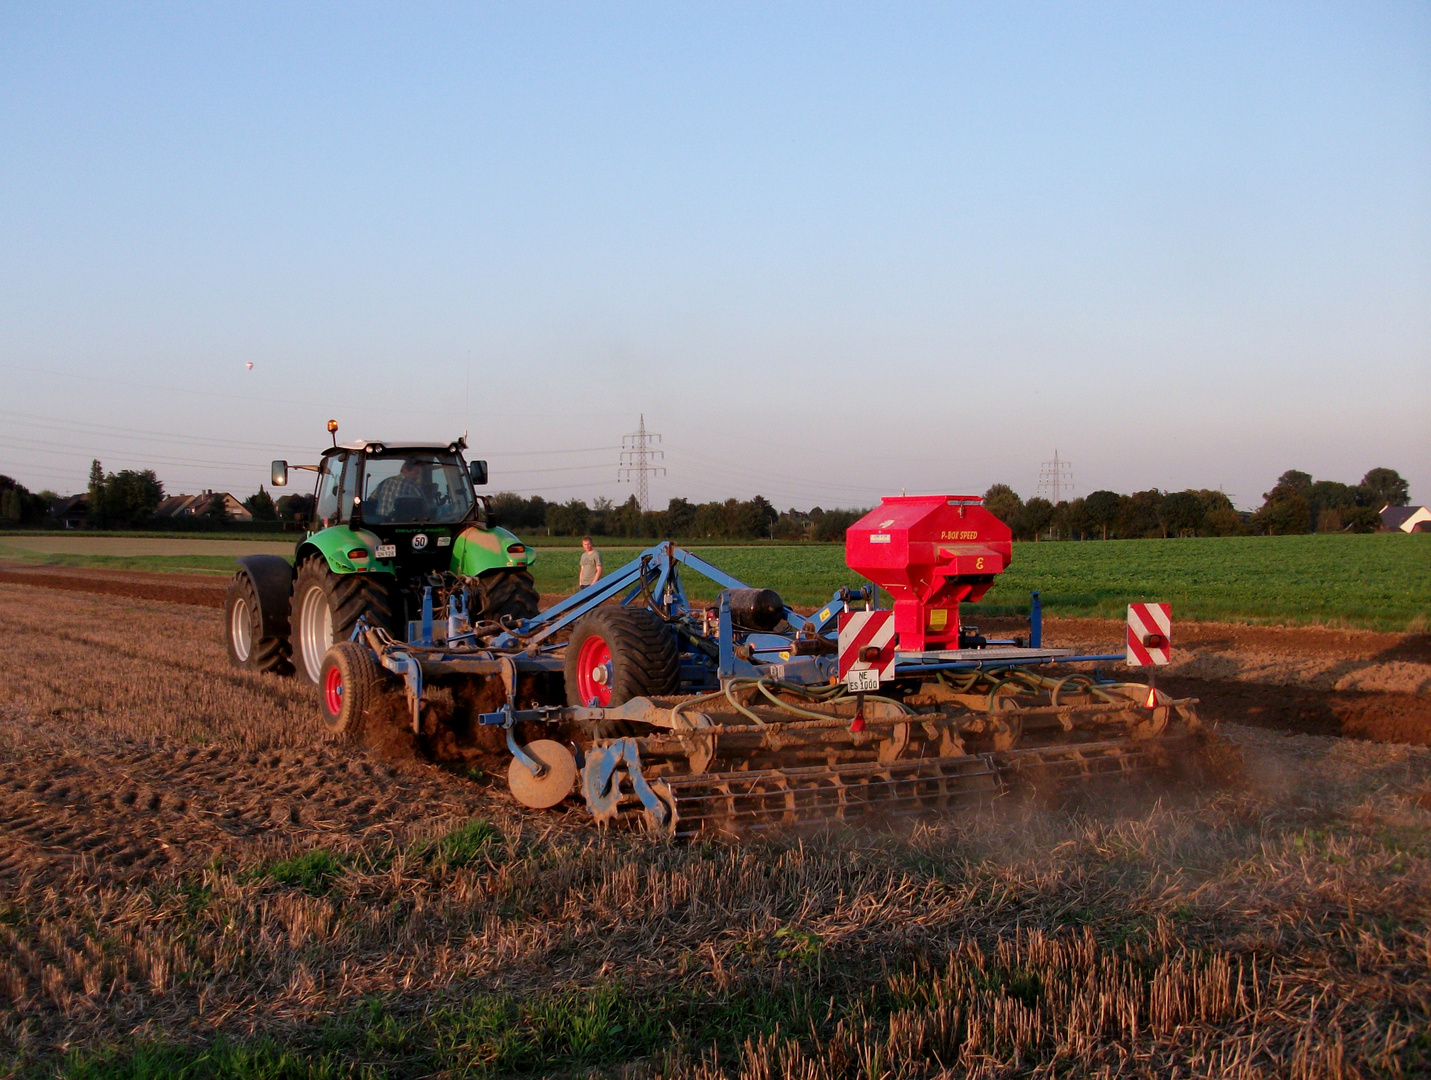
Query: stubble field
195	883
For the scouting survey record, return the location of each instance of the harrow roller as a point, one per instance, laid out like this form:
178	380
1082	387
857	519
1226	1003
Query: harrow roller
738	802
738	777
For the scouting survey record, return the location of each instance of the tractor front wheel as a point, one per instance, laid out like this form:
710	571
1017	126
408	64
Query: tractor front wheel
351	684
619	653
503	593
326	606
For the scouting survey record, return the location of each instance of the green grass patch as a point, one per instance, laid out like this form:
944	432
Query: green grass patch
224	1059
571	1030
556	1032
460	847
313	871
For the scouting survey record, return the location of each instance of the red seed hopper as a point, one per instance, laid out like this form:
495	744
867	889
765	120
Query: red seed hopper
930	553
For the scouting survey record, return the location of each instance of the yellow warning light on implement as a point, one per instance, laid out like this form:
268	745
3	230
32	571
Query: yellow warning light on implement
333	431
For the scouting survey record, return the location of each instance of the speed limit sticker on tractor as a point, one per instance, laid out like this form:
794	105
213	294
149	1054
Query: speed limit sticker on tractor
866	649
1150	634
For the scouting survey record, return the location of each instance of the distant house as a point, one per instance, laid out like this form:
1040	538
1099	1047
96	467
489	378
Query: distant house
1406	518
188	506
71	512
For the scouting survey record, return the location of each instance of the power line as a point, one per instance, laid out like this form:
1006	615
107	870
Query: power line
724	471
160	436
225	395
636	457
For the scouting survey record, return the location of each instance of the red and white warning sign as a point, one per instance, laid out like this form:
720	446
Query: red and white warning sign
866	649
1150	634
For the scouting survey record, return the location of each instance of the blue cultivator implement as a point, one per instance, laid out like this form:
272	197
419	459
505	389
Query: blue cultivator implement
744	714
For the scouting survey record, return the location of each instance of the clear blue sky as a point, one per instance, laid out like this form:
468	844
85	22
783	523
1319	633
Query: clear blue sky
830	251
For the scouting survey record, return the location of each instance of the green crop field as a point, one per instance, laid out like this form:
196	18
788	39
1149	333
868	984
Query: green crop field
1378	581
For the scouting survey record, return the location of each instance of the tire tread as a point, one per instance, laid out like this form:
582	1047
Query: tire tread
349	597
645	659
271	654
506	592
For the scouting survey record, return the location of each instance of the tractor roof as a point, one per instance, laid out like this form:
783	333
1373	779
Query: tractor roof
380	444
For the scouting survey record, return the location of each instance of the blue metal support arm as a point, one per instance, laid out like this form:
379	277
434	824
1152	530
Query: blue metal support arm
589	598
654	568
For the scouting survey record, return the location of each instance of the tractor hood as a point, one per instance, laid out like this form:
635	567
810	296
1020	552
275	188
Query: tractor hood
414	549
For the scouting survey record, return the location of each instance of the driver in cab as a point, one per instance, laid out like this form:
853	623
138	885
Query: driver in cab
407	484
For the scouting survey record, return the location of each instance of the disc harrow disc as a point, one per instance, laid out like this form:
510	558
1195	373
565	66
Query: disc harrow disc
552	786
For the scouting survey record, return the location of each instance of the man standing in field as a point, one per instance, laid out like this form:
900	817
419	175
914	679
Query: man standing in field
590	564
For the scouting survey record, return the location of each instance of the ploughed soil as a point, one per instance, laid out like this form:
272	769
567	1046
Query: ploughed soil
201	590
1310	680
122	811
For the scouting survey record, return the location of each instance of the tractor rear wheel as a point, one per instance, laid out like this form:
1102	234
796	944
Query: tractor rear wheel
326	606
619	653
247	645
351	684
503	593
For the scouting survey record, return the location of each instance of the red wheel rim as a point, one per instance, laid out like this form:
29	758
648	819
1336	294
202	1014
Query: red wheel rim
593	672
333	691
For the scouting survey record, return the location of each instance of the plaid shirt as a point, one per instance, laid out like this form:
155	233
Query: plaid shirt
384	500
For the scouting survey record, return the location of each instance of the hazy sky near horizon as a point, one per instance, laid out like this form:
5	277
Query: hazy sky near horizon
829	251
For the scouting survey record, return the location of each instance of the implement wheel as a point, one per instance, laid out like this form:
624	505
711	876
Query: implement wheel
505	593
327	605
350	683
248	646
619	653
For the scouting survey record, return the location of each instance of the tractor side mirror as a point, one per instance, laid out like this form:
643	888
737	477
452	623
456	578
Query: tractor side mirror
279	473
478	469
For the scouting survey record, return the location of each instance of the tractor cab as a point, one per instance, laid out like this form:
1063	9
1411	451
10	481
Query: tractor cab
366	484
414	498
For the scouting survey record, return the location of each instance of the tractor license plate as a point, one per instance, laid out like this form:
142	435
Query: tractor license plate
864	681
386	551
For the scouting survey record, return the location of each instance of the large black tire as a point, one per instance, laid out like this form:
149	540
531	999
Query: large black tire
619	653
326	606
351	683
249	647
504	593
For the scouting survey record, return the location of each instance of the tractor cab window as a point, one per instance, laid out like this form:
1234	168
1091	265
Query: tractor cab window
330	489
425	485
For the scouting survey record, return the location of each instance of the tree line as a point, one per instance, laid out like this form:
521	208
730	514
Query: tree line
1296	504
732	519
19	506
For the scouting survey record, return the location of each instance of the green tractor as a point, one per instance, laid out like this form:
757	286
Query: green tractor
390	522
